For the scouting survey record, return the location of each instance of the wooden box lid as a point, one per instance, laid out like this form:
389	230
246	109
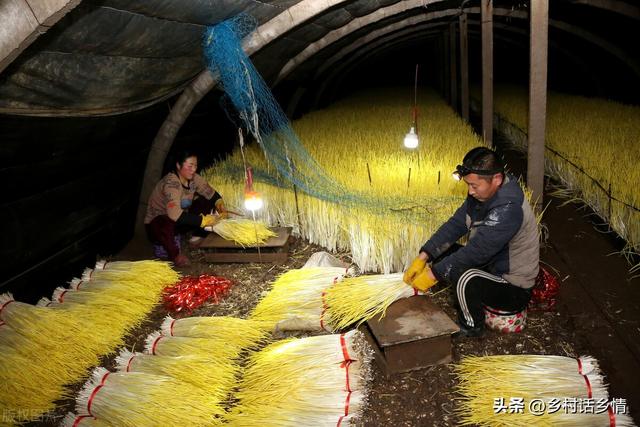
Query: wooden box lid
411	319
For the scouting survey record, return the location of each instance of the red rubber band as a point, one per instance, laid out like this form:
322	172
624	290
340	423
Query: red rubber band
579	366
171	327
346	404
61	297
345	352
586	380
104	378
415	292
325	307
324	310
104	266
346	409
79	418
346	367
6	304
612	417
79	284
95	392
129	363
155	344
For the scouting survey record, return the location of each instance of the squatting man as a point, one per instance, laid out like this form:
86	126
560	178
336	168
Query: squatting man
499	264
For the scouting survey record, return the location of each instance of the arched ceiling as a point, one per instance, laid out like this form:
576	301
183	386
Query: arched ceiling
114	56
331	73
444	15
109	56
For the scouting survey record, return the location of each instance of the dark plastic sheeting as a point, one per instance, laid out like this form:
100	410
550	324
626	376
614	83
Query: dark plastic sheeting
112	32
74	83
111	56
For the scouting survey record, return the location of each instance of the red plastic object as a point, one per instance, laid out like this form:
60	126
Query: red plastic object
191	292
544	295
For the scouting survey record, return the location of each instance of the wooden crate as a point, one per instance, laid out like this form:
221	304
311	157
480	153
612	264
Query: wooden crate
414	334
274	250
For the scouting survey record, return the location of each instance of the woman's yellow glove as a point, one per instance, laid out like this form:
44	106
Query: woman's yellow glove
414	269
424	280
221	209
209	220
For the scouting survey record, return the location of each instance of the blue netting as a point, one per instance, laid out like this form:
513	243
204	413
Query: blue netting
263	117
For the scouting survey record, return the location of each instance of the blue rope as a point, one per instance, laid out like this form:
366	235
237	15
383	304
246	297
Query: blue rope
262	116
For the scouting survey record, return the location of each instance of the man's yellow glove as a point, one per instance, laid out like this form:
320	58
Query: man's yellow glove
209	220
221	209
424	280
414	269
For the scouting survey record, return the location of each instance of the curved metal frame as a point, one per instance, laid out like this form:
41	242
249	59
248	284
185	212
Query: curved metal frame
571	29
385	37
24	22
355	25
338	74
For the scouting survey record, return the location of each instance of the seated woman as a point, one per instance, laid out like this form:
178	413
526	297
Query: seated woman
180	202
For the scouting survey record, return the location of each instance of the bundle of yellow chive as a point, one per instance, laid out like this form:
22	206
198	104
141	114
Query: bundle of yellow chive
244	232
44	349
152	274
73	420
205	348
197	350
29	385
111	314
137	399
215	377
295	301
483	381
121	288
54	338
318	380
355	300
240	333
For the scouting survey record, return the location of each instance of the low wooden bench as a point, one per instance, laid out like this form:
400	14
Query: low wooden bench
274	250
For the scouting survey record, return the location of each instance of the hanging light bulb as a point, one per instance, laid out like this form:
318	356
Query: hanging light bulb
252	199
411	139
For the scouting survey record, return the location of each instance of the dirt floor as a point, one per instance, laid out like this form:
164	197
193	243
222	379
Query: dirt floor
597	314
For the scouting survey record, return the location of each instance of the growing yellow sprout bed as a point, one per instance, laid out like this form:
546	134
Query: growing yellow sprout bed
598	136
358	141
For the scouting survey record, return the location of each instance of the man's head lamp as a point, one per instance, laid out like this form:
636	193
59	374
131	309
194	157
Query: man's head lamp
462	170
